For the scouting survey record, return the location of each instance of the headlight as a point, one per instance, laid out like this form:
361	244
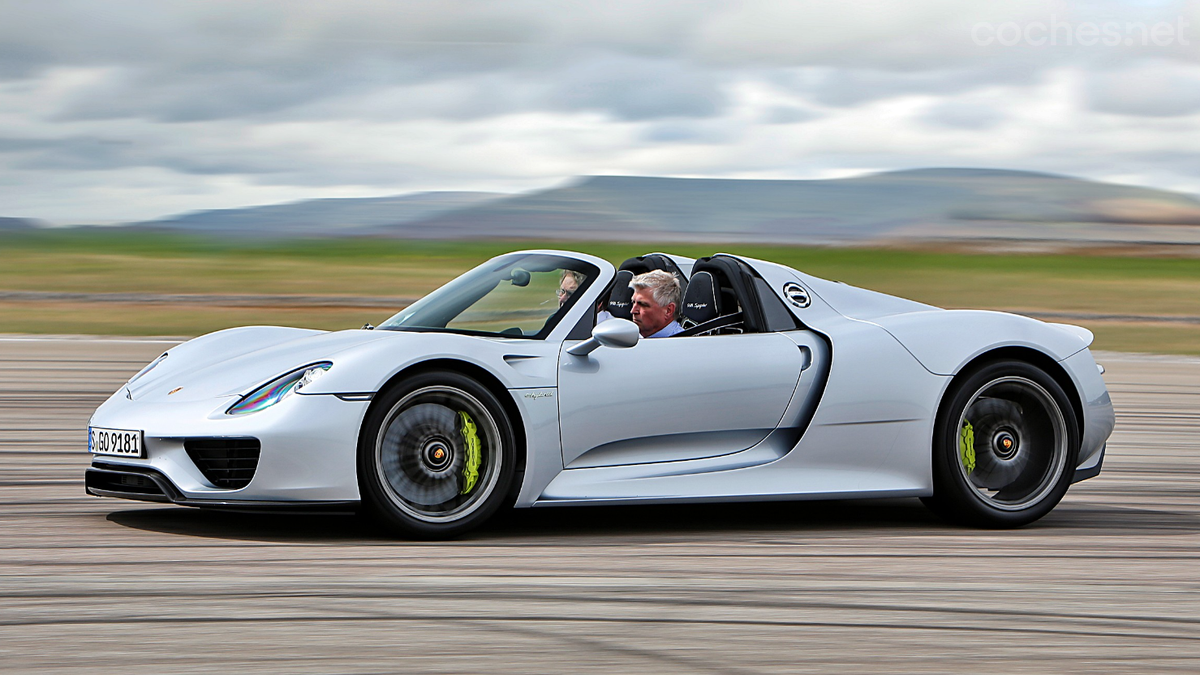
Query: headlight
278	389
148	368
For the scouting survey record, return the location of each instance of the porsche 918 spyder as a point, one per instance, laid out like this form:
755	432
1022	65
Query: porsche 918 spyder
503	389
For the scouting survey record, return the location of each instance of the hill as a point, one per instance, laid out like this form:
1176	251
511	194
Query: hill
319	217
926	205
917	204
19	224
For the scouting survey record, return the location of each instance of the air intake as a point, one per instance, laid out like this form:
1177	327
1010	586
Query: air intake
226	462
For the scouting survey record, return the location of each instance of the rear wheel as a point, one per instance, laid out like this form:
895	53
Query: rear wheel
436	456
1004	447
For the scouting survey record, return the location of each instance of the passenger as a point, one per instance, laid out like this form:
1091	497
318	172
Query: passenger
656	297
602	313
568	284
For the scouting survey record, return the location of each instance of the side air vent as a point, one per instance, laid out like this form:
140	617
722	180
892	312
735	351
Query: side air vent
107	480
226	462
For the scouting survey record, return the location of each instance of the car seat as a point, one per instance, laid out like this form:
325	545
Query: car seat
620	298
709	307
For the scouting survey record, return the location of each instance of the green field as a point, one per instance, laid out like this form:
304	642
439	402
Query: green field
111	261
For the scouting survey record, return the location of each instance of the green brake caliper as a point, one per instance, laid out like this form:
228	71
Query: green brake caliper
474	456
966	446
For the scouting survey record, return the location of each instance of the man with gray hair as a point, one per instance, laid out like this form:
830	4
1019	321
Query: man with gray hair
656	299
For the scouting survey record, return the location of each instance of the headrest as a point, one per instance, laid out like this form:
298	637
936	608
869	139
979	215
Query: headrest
621	297
650	262
655	261
701	300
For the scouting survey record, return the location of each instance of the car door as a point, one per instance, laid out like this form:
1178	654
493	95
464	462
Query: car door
670	399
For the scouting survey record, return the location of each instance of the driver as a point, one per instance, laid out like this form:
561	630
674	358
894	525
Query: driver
656	297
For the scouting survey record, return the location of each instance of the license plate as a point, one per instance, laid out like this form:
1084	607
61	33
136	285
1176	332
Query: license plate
120	442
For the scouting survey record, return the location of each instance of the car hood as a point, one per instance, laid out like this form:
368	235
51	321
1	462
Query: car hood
237	361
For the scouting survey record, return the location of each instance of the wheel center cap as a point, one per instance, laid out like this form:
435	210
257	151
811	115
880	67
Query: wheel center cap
1005	444
437	455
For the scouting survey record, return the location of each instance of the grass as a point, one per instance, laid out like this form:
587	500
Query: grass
114	261
152	319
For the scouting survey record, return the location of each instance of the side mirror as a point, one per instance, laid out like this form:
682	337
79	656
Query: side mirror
519	277
620	333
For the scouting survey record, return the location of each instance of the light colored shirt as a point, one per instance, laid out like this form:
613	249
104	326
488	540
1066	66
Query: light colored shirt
669	330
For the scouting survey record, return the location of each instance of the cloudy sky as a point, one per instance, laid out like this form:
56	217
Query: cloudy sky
120	110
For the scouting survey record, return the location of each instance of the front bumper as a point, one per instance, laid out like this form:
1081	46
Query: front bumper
149	485
308	453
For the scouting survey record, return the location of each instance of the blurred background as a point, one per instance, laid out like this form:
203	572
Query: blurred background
176	167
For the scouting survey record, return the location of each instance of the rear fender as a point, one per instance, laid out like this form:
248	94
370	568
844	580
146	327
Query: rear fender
944	341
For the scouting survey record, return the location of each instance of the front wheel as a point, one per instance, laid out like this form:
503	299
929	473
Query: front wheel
436	456
1004	447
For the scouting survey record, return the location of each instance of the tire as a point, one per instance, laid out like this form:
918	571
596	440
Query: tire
1004	447
415	459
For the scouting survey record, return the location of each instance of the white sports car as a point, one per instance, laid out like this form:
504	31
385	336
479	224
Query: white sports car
502	389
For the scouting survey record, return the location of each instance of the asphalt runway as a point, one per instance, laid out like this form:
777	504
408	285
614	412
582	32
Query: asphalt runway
1108	582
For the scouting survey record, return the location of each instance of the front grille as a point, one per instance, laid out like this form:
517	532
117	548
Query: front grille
226	462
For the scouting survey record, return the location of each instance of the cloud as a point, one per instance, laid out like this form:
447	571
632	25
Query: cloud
192	104
1147	89
963	115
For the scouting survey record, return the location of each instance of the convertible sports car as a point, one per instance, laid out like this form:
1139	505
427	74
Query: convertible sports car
502	389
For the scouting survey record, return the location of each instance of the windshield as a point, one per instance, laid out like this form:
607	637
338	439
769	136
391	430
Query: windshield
521	295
